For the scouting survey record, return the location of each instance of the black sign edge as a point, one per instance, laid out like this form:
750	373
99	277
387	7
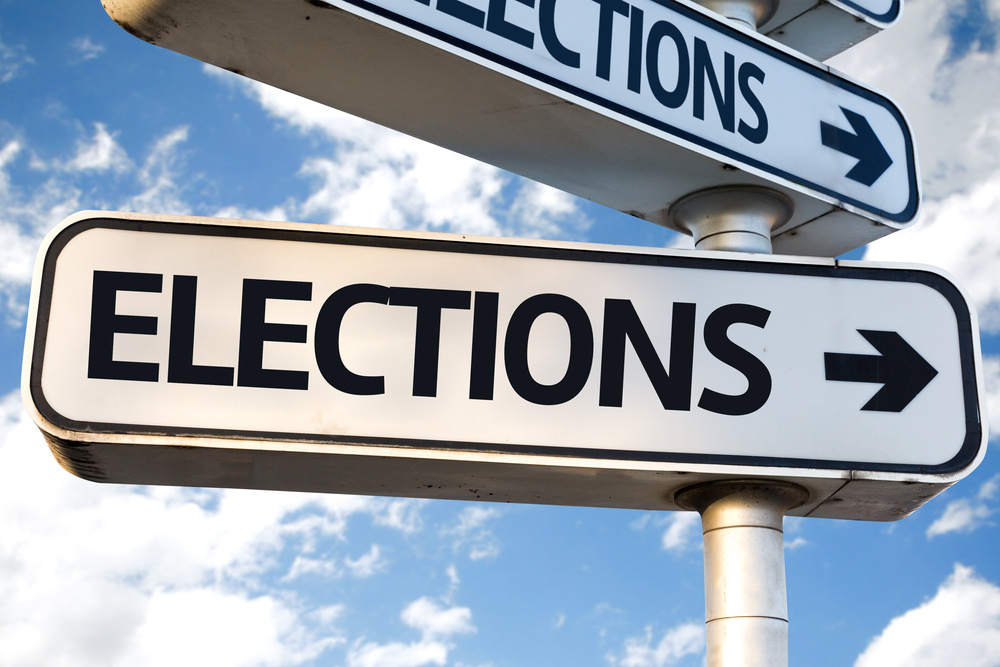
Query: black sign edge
907	214
887	18
966	455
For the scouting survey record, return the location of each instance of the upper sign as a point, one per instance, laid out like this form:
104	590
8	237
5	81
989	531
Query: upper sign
595	375
633	104
821	30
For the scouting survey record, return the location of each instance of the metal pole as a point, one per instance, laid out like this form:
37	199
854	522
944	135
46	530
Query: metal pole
746	608
750	13
746	605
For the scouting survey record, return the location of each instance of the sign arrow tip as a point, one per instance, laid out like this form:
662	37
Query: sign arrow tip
900	369
863	144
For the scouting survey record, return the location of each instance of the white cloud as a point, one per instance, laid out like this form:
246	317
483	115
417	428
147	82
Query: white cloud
100	153
112	575
960	516
683	528
539	208
967	514
12	61
159	174
17	254
952	100
796	543
791	526
24	220
960	625
990	487
28	213
402	514
303	566
952	104
676	644
397	654
991	378
380	178
208	627
433	620
959	234
86	49
470	532
367	565
398	183
436	623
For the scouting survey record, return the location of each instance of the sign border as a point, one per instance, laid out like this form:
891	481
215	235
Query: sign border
967	455
757	42
887	18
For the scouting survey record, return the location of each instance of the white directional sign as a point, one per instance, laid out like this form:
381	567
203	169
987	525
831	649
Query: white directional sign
824	29
630	103
595	375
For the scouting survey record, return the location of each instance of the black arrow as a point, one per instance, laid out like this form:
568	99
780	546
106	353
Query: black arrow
902	372
872	157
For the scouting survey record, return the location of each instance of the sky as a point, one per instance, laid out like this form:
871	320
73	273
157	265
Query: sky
114	575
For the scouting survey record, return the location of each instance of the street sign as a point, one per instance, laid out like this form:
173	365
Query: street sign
206	352
633	104
821	30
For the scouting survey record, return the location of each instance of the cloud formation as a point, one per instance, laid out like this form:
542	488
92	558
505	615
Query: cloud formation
86	49
112	575
100	153
959	234
471	532
949	94
960	625
436	624
380	178
677	643
29	211
13	59
967	514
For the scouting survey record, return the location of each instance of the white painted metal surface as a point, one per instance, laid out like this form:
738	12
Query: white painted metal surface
633	105
661	366
823	28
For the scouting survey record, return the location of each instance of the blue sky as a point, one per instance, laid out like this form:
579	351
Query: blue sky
92	118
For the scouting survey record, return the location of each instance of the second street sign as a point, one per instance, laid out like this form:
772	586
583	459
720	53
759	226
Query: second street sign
632	104
824	29
210	352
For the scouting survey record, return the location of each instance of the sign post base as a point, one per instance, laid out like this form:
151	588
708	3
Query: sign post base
746	608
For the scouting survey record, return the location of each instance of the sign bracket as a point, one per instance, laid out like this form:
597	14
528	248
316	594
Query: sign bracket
734	218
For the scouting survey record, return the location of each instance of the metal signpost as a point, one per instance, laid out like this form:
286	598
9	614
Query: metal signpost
632	104
744	387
